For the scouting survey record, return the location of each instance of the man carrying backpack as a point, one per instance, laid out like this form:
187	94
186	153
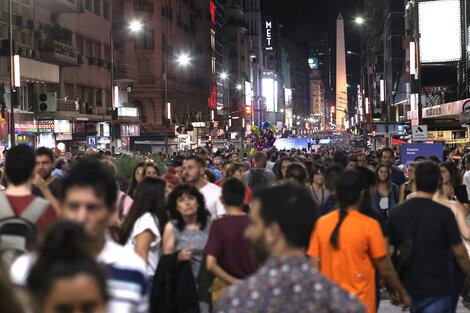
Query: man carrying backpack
21	213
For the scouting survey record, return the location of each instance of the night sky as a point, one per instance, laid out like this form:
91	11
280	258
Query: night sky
321	15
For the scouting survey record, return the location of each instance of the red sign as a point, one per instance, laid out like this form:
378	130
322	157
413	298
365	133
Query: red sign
212	9
216	124
213	99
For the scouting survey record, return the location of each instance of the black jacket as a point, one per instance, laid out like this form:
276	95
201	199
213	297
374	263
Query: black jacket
173	287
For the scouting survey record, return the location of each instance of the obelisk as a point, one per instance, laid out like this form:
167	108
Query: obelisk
341	81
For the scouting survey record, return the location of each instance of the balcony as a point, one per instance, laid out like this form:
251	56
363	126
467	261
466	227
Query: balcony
67	105
143	6
59	53
61	6
125	73
147	80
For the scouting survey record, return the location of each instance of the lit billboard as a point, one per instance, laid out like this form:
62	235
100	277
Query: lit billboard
248	93
440	31
269	87
313	63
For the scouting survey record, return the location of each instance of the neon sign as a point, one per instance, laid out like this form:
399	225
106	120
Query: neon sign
213	7
269	35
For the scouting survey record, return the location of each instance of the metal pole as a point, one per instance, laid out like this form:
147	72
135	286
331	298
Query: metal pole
13	92
164	107
111	47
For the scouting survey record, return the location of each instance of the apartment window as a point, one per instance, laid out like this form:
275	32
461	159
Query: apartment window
212	39
99	97
89	46
88	5
106	10
107	54
4	4
97	7
25	12
79	43
98	50
163	42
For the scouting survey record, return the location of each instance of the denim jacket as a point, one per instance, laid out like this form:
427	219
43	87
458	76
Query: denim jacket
392	199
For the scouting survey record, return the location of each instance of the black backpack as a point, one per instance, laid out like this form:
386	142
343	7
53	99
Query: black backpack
17	232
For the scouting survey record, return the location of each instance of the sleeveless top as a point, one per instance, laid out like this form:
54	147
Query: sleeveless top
192	238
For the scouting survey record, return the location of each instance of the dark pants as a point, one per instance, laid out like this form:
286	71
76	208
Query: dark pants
431	304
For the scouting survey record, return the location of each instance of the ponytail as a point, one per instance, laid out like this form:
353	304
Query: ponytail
343	212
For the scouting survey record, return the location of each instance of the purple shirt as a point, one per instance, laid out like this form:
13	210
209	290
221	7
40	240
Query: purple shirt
228	245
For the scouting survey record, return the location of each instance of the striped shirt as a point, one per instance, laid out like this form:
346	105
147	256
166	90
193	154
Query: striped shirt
127	284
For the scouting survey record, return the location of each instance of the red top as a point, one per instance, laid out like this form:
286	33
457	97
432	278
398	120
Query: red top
20	203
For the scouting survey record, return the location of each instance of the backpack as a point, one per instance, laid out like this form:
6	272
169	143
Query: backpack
17	232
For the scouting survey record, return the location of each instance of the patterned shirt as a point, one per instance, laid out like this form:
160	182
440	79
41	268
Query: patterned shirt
284	285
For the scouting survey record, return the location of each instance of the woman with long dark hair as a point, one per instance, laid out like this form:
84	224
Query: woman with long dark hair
387	193
65	277
142	228
317	179
137	176
452	183
347	245
187	232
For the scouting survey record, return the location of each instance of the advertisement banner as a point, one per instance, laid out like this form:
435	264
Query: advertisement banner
442	135
409	151
46	126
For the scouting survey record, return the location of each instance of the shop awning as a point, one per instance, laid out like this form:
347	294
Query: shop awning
31	70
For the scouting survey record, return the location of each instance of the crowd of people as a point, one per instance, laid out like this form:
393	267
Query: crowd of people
277	231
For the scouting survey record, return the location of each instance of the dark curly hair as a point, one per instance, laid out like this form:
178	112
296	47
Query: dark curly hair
180	190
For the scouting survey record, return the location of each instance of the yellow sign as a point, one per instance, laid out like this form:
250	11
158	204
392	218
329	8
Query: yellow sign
440	135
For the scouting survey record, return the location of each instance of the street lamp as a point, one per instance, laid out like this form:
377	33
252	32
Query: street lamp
134	26
359	20
239	87
223	75
183	60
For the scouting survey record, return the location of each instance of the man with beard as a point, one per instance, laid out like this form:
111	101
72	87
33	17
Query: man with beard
286	283
194	171
44	184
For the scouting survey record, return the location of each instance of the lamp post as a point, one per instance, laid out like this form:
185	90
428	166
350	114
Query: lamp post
134	27
182	60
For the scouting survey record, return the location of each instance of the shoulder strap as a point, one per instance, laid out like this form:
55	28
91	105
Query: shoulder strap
35	210
5	208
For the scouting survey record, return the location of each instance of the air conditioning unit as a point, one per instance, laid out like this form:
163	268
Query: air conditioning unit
47	102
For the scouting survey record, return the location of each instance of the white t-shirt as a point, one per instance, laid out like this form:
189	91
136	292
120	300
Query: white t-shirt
466	181
126	283
147	221
212	194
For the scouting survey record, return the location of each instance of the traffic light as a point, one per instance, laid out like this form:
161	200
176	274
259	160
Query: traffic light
332	109
209	144
248	109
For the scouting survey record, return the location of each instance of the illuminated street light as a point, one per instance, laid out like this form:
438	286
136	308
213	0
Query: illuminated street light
136	26
359	20
183	59
223	75
239	87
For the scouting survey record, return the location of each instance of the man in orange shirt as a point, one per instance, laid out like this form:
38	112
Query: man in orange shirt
346	245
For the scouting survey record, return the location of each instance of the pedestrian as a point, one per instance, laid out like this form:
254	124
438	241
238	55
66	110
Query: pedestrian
186	234
237	170
280	167
331	174
466	176
87	196
143	226
65	277
194	174
228	255
297	174
361	159
317	179
346	245
259	177
452	183
388	157
44	184
19	207
387	193
410	186
137	177
172	179
151	170
282	220
422	230
60	169
204	155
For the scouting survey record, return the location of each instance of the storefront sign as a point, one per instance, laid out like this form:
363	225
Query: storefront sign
46	126
63	136
130	130
25	123
199	124
62	126
451	108
442	135
268	44
126	111
47	140
104	140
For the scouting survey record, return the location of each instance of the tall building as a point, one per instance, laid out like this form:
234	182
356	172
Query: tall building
341	81
317	97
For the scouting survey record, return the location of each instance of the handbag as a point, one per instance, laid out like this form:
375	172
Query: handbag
218	287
